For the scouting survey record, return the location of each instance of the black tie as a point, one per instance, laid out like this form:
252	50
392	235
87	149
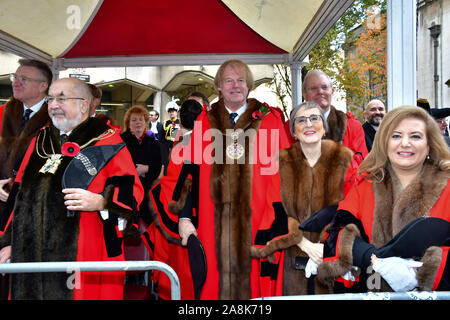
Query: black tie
26	117
232	117
63	138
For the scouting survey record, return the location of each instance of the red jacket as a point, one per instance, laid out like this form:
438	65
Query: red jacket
381	218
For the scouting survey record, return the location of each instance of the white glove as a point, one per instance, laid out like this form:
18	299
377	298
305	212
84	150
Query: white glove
311	268
399	273
349	275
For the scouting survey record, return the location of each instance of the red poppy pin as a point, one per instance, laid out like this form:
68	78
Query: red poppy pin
261	112
70	149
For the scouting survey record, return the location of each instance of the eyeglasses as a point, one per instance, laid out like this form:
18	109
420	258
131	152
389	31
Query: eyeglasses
22	79
314	118
60	100
315	89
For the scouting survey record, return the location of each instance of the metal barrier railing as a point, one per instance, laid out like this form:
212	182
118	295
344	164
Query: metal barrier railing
411	295
70	267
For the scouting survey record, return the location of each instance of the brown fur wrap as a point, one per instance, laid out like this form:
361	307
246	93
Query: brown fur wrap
231	193
304	191
394	209
15	139
337	124
427	273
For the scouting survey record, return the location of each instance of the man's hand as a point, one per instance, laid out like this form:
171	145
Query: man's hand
185	229
82	200
3	194
5	254
141	169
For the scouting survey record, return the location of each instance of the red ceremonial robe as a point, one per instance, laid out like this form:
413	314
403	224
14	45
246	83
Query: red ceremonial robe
2	108
384	209
84	237
161	237
239	202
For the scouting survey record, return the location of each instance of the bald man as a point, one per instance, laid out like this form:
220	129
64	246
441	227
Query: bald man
374	113
84	218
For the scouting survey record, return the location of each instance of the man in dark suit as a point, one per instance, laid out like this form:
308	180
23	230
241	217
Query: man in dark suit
374	113
440	115
155	126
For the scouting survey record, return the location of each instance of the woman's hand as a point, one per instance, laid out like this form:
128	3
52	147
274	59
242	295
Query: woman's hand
82	200
399	273
313	250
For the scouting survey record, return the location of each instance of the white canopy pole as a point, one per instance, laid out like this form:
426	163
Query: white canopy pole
296	83
401	47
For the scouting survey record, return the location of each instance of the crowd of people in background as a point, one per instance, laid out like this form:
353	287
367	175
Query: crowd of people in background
200	193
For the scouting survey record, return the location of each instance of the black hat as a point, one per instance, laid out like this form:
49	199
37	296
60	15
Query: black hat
416	237
440	113
319	220
423	103
197	261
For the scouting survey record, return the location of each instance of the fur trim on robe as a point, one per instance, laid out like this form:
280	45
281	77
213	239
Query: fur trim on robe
41	230
15	139
231	193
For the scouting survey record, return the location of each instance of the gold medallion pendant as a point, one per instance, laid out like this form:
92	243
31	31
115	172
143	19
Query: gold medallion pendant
235	150
52	163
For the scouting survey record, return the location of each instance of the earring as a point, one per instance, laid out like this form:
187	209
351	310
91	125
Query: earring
428	157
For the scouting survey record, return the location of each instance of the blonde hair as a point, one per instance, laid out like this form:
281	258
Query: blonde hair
140	110
376	162
238	66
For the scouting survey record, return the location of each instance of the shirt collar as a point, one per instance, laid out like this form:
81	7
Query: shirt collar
326	114
239	111
34	108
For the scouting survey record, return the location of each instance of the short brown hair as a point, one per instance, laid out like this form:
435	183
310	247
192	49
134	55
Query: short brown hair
43	68
237	65
140	110
95	91
305	105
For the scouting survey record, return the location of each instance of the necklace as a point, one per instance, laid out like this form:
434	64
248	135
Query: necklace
54	159
235	150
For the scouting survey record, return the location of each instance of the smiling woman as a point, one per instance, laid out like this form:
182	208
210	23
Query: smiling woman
144	150
406	177
312	178
408	148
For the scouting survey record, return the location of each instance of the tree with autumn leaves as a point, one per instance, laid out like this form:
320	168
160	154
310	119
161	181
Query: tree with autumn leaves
363	72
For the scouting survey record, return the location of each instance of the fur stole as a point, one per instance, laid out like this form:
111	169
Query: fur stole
41	229
337	125
395	208
15	139
231	193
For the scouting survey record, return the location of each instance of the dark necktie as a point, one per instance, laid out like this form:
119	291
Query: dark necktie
26	117
63	138
232	117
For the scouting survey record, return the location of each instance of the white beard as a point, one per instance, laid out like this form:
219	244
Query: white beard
65	124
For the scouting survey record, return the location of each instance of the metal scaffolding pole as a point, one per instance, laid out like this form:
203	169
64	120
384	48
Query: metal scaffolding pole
70	267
